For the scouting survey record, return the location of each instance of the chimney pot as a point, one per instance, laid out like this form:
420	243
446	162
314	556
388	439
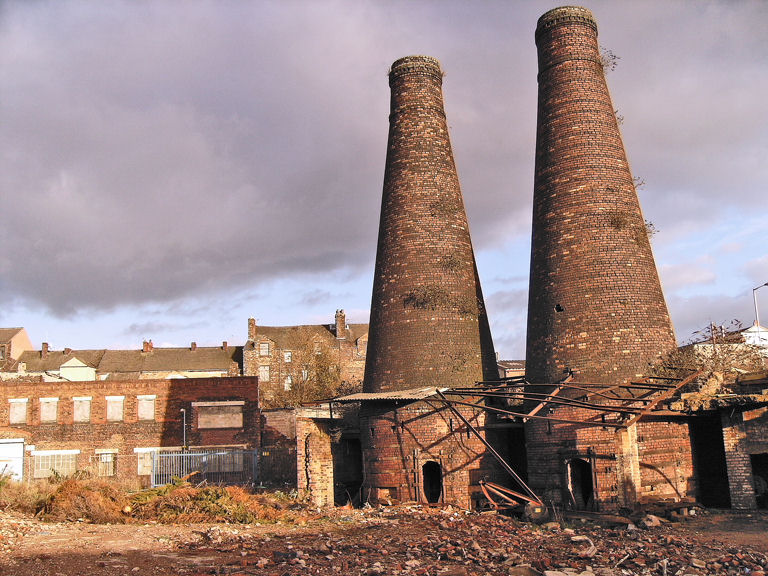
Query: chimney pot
44	350
193	346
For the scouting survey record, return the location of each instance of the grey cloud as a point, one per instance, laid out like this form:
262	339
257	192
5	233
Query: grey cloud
151	154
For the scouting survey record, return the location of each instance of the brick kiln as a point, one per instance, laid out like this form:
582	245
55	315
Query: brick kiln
428	325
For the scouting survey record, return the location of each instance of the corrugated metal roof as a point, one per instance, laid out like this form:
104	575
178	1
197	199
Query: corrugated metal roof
411	394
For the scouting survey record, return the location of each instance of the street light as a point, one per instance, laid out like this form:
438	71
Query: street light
184	428
757	314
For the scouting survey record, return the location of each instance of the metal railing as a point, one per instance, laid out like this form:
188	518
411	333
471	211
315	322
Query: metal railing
212	466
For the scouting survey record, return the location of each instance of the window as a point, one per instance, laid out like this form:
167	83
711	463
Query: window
146	406
81	411
115	408
2	352
226	414
48	462
144	457
318	348
49	409
305	374
263	348
287	356
288	384
264	373
17	413
105	462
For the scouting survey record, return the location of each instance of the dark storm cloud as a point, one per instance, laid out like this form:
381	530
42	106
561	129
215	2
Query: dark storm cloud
157	151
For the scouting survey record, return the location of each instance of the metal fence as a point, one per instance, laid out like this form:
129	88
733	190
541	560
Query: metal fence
212	466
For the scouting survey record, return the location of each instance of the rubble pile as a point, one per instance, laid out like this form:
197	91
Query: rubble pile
423	541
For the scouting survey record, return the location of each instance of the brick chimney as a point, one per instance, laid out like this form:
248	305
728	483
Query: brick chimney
224	346
44	350
428	323
67	351
595	301
251	329
147	346
341	325
193	346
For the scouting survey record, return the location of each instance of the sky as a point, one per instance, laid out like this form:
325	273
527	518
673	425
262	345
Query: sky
169	169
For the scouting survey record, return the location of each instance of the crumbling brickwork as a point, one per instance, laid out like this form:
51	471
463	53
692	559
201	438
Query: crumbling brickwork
407	449
650	461
428	321
595	301
745	435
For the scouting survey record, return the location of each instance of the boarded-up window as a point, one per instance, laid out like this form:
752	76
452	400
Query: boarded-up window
263	348
17	411
146	407
115	408
219	414
287	356
264	373
144	458
81	411
49	408
288	383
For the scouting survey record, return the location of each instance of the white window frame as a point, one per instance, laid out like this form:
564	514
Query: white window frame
17	401
105	460
264	349
44	462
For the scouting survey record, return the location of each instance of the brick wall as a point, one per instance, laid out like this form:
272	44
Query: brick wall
428	322
651	461
398	441
99	433
314	461
744	434
595	301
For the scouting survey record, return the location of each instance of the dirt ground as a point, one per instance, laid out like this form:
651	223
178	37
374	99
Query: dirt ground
397	540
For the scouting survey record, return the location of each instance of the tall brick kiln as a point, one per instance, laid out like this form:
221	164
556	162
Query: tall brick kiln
596	308
595	301
428	323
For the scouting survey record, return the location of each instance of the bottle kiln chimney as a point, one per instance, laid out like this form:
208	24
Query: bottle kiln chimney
595	300
428	323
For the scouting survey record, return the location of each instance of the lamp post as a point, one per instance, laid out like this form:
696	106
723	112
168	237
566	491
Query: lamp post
757	314
184	428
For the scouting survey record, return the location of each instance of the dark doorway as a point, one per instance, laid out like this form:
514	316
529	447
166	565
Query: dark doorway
709	465
432	475
760	478
347	471
580	483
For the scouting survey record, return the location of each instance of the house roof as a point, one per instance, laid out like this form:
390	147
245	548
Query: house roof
136	361
7	333
286	337
55	358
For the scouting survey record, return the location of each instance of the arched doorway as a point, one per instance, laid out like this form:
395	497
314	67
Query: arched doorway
580	483
432	477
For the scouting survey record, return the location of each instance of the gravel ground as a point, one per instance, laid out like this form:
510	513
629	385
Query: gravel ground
404	540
